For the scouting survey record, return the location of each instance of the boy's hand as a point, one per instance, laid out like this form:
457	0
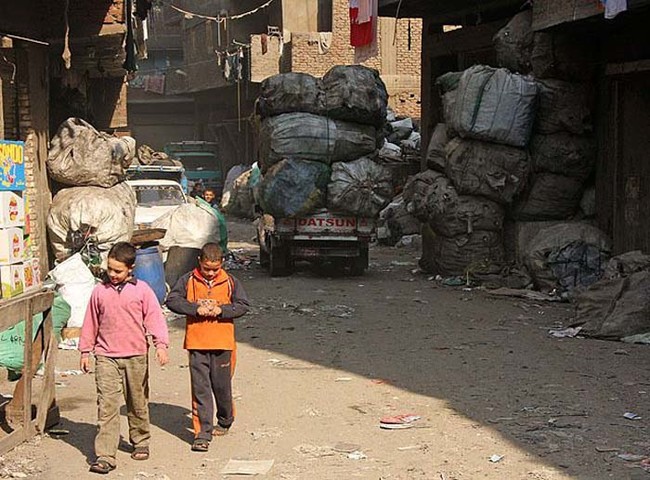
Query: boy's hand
162	356
84	364
203	311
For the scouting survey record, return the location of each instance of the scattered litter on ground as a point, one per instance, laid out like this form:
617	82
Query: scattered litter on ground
69	344
57	432
357	455
343	379
606	449
528	294
343	447
496	458
396	422
412	447
570	332
314	450
631	457
247	467
621	352
632	416
69	373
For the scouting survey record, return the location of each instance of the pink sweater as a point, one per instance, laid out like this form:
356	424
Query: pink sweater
117	322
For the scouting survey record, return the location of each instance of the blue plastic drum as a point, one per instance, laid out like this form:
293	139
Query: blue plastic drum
149	268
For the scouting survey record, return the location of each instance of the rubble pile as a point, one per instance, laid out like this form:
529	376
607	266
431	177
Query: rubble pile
318	143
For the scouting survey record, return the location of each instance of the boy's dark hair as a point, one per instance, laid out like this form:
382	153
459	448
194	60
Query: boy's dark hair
210	190
211	252
123	252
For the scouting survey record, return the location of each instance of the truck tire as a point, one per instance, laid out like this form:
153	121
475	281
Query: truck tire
358	265
280	262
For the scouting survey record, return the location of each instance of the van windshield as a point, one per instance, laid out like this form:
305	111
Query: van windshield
159	195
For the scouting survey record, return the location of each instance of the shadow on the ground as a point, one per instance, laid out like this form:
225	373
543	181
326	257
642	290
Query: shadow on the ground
173	419
490	359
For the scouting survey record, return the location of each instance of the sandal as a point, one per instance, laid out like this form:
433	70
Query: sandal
200	445
219	431
140	453
102	466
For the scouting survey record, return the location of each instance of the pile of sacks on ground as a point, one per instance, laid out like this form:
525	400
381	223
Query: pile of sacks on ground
515	159
318	143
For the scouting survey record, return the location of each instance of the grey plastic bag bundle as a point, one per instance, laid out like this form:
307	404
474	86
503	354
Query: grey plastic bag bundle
495	105
465	214
514	43
478	252
241	201
497	172
361	187
563	154
436	155
110	211
548	197
294	188
626	264
79	155
564	107
291	92
355	93
416	191
305	136
567	255
395	222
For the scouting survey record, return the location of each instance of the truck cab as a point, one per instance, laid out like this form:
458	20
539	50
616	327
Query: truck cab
201	161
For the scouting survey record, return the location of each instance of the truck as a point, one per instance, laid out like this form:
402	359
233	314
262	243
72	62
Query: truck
202	162
324	236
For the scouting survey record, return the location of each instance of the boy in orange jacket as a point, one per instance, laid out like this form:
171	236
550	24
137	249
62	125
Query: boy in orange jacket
211	299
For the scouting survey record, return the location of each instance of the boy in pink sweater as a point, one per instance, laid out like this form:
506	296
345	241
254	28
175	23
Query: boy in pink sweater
121	314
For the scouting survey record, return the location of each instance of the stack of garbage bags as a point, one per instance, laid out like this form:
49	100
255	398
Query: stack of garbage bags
318	143
94	202
515	147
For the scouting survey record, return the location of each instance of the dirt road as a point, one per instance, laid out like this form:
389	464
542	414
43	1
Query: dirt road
322	359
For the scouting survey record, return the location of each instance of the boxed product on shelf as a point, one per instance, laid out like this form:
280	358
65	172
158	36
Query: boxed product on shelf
12	280
11	245
12	210
12	165
32	269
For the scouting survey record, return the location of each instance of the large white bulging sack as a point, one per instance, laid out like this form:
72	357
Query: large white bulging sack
191	225
109	211
81	156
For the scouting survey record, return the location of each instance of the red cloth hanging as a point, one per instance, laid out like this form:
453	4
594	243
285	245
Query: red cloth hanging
360	33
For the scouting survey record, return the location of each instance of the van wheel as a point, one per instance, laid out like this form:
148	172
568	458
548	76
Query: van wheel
280	262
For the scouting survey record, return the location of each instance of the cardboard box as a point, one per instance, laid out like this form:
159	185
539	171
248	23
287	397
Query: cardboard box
11	246
12	210
12	165
28	248
12	280
32	274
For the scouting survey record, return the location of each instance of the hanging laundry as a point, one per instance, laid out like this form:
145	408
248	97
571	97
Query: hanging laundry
264	39
614	7
362	32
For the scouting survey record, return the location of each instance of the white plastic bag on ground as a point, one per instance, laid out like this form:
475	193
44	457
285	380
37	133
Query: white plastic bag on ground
75	283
